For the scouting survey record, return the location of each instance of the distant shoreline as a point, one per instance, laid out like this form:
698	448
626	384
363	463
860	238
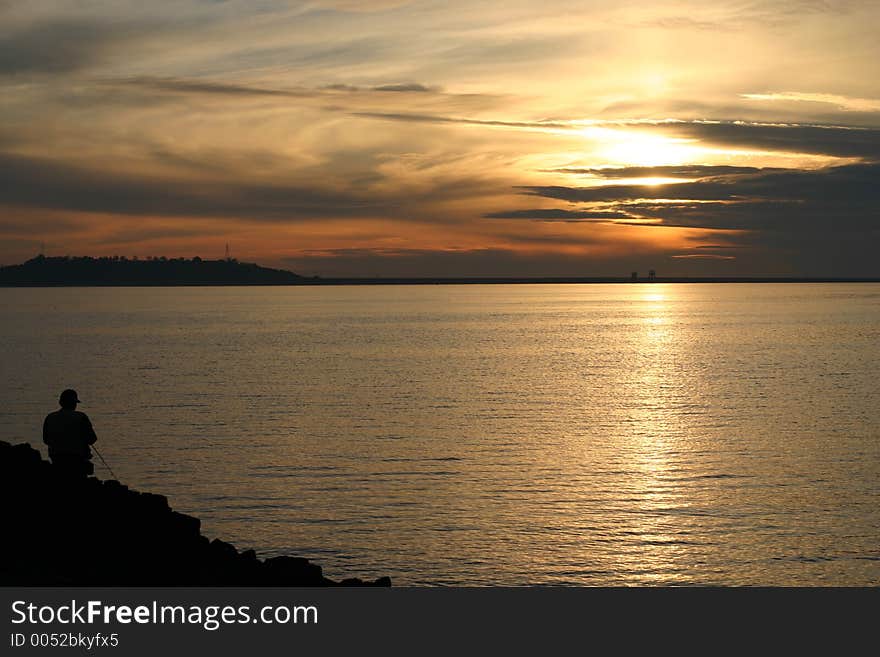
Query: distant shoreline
117	271
450	281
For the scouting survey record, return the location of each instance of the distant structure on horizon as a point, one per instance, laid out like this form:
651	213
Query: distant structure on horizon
119	270
634	276
652	275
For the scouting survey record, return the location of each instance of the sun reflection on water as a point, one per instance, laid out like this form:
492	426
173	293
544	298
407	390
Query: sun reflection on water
657	545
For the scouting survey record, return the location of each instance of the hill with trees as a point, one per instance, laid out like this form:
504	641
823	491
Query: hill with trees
119	270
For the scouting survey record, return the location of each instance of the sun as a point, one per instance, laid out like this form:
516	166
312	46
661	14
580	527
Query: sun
638	149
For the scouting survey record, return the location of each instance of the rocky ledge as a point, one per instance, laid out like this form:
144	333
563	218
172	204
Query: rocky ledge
88	532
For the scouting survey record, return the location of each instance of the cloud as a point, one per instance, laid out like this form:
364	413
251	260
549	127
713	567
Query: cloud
187	87
838	141
35	225
41	183
748	15
810	222
831	140
853	185
403	87
446	263
361	5
555	214
683	171
160	112
822	222
682	191
406	87
212	184
845	103
690	23
434	118
65	46
209	87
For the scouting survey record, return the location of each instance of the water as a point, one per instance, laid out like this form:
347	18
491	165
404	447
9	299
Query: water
485	435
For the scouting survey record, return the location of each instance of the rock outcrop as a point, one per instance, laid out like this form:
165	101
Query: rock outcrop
59	531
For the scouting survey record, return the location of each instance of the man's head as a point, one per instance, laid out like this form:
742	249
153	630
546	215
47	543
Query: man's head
68	399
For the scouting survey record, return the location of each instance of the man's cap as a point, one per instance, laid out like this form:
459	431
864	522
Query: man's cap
69	396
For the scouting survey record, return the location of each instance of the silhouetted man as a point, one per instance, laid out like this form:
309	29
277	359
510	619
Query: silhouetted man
68	433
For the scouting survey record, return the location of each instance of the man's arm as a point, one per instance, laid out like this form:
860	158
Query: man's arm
46	430
88	431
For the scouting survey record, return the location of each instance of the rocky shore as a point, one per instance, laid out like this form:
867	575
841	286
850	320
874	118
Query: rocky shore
59	531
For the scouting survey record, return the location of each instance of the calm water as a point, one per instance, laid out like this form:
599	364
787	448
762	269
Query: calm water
570	434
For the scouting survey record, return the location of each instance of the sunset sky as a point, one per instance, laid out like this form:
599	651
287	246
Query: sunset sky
444	138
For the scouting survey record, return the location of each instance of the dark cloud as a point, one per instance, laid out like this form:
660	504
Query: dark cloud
813	222
407	87
435	118
839	141
718	246
191	86
136	234
219	191
752	111
39	183
402	87
851	185
64	46
556	214
35	225
683	191
489	263
755	215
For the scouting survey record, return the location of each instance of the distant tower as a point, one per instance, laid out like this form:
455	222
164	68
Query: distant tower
227	251
651	275
42	248
634	276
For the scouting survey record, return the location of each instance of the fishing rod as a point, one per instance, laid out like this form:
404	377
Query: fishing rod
105	462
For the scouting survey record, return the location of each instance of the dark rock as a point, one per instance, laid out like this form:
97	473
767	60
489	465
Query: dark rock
114	536
222	549
154	503
25	455
293	571
183	524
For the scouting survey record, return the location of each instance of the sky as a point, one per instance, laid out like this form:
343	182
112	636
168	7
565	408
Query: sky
446	138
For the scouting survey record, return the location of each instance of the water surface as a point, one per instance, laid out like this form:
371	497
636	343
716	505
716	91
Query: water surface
501	434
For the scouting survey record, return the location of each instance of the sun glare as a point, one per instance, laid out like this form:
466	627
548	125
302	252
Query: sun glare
616	147
652	181
635	149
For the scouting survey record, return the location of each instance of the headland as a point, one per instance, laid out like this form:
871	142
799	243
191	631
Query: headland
63	531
